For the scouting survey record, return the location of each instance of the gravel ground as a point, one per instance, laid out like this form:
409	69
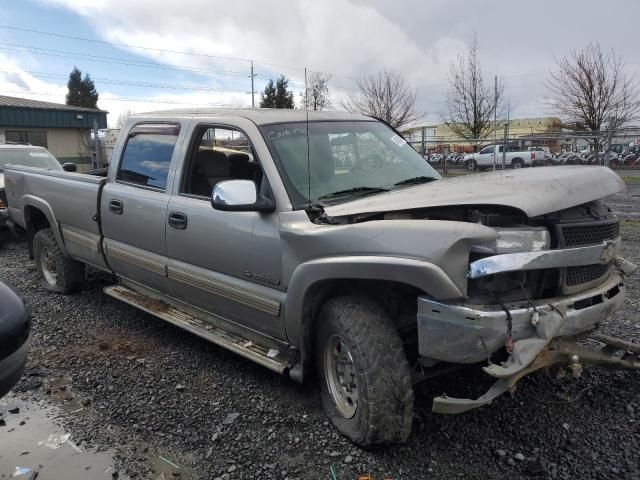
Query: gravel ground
147	389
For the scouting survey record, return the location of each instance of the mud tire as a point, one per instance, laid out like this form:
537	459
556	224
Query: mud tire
56	272
384	412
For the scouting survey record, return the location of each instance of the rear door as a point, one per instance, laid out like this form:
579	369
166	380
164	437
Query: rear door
134	202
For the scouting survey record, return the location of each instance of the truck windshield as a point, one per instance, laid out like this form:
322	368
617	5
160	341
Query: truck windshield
346	159
29	157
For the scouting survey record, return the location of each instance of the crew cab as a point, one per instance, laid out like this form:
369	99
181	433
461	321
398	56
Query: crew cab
250	229
513	157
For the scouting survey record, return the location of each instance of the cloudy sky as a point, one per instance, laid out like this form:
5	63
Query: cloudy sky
197	51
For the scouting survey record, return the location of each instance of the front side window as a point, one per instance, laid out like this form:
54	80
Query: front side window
218	154
147	155
486	150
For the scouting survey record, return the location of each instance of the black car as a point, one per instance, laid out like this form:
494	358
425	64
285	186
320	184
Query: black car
15	326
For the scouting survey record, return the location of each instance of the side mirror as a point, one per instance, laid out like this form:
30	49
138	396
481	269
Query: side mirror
239	196
69	167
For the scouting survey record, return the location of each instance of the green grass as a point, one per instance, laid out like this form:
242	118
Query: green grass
630	180
633	224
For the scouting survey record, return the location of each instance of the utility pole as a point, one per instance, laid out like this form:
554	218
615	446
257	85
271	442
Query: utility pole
96	146
605	156
495	121
506	137
253	102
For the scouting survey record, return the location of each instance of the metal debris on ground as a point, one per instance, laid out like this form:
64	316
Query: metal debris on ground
21	471
54	441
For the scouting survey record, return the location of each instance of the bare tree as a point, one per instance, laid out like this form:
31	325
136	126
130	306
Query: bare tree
471	104
123	117
591	89
316	95
386	95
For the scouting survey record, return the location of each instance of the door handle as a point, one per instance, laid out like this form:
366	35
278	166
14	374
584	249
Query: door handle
178	220
115	206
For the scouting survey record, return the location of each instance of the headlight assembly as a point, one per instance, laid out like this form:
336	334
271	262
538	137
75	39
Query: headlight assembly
514	240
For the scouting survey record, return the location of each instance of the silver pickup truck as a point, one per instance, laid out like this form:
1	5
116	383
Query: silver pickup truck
324	242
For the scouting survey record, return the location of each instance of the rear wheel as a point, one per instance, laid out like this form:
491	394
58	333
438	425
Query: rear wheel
57	272
364	375
517	163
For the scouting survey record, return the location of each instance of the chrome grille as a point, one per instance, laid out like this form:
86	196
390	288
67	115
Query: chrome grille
582	234
589	273
590	234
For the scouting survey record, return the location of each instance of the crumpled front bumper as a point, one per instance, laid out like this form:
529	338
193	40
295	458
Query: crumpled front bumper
459	333
463	333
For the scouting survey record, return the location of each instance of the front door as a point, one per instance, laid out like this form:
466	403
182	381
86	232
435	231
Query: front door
133	207
226	263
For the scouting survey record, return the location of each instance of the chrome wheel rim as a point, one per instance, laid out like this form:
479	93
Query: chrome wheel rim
49	269
340	376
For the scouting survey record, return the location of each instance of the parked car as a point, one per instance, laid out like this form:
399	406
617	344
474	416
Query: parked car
375	274
24	155
15	325
514	158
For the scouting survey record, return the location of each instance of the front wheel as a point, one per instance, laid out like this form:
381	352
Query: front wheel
365	380
57	272
472	165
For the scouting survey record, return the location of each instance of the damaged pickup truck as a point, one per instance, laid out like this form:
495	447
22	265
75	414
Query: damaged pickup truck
326	242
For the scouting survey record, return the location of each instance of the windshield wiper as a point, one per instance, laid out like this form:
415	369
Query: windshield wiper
354	190
415	181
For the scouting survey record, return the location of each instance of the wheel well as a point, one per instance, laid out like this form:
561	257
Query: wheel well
517	159
398	299
34	220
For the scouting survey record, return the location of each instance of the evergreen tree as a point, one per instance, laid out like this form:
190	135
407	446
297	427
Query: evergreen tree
284	97
89	93
278	95
81	91
268	96
74	85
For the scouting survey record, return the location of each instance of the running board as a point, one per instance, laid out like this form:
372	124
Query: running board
270	358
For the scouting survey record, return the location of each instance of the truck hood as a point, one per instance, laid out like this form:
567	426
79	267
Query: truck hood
535	191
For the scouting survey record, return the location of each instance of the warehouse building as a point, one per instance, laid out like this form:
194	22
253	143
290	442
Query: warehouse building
64	130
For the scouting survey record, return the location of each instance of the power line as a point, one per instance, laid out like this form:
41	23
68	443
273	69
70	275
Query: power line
125	99
132	83
115	44
114	60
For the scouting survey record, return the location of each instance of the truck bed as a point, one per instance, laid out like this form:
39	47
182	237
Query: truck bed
72	196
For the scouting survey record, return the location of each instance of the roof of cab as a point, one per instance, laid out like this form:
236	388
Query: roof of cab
259	116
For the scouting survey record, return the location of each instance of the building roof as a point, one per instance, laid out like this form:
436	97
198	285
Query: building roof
37	104
260	116
23	112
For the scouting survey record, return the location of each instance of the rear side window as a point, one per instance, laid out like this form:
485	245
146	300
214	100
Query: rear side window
147	155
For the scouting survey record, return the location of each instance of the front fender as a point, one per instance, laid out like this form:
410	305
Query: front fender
426	276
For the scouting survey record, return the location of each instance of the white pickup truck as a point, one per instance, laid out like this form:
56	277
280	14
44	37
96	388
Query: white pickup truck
515	157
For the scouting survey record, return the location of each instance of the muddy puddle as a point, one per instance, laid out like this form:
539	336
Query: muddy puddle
33	446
